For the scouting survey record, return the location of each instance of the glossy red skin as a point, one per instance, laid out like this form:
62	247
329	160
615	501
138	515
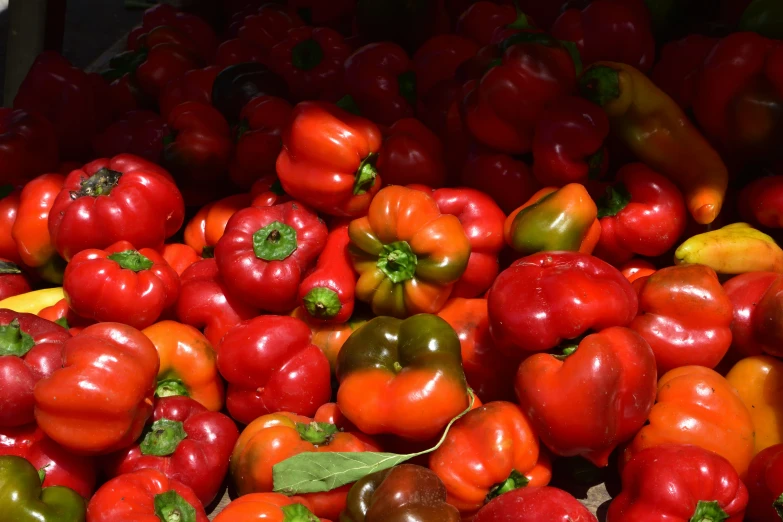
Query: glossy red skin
333	270
269	285
12	284
119	295
544	504
565	137
195	86
761	202
234	51
144	208
757	299
61	310
666	483
324	80
438	58
200	461
651	223
139	132
636	269
262	122
18	375
371	79
544	299
66	96
765	484
411	153
28	145
482	20
685	315
268	26
610	30
165	62
746	66
204	302
62	467
271	366
9	206
130	498
677	70
198	31
179	256
507	180
502	108
596	399
267	192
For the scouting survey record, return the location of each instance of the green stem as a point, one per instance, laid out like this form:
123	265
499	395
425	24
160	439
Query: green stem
614	201
131	260
407	86
709	512
274	242
171	388
514	481
397	261
600	85
307	55
7	267
13	341
322	303
317	433
99	184
170	507
163	438
365	175
778	505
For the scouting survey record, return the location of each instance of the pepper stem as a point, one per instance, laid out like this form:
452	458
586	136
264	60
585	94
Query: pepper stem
778	505
163	438
407	86
298	513
274	242
615	200
322	303
99	184
317	433
397	261
307	55
709	512
170	507
600	84
365	175
567	352
171	388
514	481
13	341
7	267
131	260
348	104
594	163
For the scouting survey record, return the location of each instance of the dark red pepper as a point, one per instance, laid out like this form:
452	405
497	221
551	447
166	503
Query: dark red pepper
411	153
677	70
758	313
544	504
28	145
508	180
483	22
438	58
138	132
12	279
268	26
765	485
193	86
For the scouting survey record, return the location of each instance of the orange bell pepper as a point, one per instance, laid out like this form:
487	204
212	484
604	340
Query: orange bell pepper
187	364
208	225
179	256
330	337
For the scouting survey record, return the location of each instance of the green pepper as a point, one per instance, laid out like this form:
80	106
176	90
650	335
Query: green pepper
22	499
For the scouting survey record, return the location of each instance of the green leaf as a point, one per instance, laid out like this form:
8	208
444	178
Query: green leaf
318	472
163	438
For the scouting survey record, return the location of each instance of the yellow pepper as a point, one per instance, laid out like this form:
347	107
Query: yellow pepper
33	302
759	381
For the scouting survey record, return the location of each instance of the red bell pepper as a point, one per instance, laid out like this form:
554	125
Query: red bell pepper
178	256
311	62
30	349
134	288
679	483
236	51
268	26
327	293
636	269
592	398
12	279
185	442
739	94
65	96
139	132
611	30
60	466
502	108
761	202
63	315
506	179
266	251
542	504
380	79
198	32
568	143
411	153
99	398
484	22
9	206
28	145
143	496
198	150
258	139
437	60
765	485
328	159
238	84
678	68
204	302
642	213
757	299
337	14
193	86
208	225
109	200
549	297
685	316
271	365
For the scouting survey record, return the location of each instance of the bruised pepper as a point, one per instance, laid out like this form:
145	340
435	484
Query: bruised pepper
654	127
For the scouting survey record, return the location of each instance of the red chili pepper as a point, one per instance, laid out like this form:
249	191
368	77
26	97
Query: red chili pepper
311	62
507	180
139	132
327	293
12	279
411	153
193	86
437	60
28	145
568	143
677	70
186	442
204	302
272	366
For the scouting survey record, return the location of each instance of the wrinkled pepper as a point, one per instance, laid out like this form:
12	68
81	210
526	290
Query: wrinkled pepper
765	484
757	299
659	133
737	248
759	381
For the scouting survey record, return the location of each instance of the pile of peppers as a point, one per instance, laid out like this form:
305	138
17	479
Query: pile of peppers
370	261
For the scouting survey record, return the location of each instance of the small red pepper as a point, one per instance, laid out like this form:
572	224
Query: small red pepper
193	86
28	145
271	366
138	132
12	279
506	179
636	269
765	485
411	153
